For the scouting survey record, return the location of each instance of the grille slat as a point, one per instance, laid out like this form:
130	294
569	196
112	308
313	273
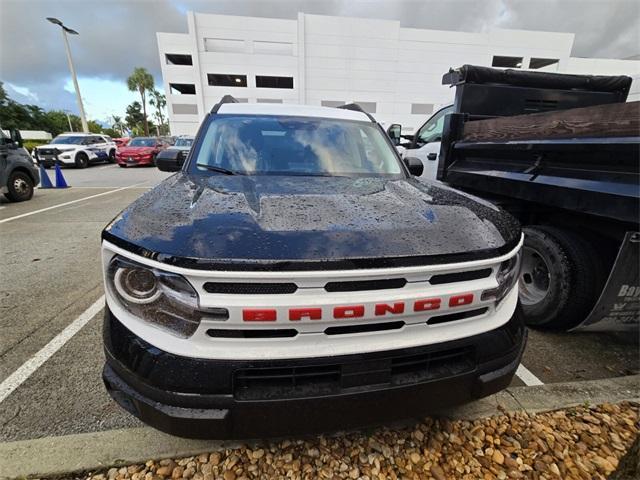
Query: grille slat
360	285
241	288
452	317
459	276
332	379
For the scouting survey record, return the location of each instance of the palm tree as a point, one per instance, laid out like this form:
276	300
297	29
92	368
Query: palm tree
159	101
117	124
141	81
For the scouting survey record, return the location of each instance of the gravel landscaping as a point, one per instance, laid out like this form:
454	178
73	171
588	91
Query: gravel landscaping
580	443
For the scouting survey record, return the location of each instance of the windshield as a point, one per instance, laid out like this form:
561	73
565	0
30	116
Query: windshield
142	142
184	142
67	139
279	145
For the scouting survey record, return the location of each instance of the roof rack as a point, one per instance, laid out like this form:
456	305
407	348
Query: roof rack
357	108
223	100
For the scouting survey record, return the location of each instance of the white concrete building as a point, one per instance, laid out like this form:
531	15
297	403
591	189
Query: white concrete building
393	72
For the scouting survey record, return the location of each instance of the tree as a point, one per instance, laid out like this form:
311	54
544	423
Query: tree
94	127
32	117
159	101
117	124
134	117
141	81
112	132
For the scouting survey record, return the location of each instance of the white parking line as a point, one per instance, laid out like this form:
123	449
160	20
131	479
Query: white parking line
529	379
18	377
69	203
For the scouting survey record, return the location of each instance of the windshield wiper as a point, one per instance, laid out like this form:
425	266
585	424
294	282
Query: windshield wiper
217	169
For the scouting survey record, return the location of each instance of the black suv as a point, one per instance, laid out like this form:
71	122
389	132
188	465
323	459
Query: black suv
18	174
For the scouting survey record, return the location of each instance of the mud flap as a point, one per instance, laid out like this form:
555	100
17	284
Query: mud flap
618	308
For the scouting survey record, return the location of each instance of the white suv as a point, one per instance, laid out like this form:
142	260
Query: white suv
76	149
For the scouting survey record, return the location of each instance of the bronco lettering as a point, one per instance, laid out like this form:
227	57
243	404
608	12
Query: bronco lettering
355	311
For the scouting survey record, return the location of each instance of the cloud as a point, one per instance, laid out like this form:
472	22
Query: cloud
117	35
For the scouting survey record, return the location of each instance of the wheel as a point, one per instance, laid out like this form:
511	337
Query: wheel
112	156
561	277
122	165
82	161
20	187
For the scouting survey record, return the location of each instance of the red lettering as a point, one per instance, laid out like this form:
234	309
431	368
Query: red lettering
384	308
353	311
427	304
459	300
258	315
296	314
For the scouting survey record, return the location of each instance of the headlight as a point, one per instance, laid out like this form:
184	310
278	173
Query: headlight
163	299
507	277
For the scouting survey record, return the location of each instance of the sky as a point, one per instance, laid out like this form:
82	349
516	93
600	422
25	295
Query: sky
116	36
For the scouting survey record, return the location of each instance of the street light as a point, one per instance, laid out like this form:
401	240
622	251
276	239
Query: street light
66	30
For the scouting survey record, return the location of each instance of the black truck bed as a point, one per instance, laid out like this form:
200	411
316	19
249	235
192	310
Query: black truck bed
584	160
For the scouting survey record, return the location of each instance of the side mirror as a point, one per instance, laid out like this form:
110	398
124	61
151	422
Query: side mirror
414	165
170	160
16	138
394	132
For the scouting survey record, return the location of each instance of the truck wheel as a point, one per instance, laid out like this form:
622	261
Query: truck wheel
20	187
82	161
561	278
112	156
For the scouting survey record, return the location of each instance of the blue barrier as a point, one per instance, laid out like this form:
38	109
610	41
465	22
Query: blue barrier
45	182
60	181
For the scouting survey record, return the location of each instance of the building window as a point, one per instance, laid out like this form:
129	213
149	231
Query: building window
542	62
227	45
422	108
273	48
273	82
184	109
506	62
332	103
369	107
182	88
178	59
226	80
269	100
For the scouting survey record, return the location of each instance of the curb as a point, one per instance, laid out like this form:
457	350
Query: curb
51	456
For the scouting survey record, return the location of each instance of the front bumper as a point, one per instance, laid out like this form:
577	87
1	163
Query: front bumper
262	398
133	161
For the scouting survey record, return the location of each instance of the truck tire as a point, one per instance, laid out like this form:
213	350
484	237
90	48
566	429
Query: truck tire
82	161
561	278
20	187
112	156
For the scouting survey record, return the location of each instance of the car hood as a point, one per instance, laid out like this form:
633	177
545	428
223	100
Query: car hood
265	222
135	150
60	146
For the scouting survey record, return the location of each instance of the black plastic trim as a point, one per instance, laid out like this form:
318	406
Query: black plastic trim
194	397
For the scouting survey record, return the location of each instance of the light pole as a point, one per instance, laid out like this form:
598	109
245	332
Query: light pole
69	120
66	30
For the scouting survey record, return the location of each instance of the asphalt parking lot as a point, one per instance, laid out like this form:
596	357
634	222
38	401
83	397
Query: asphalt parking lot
51	280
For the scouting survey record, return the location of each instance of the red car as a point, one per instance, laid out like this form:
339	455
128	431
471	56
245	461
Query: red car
121	142
139	151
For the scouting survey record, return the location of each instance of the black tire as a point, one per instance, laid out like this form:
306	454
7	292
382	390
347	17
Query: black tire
122	165
572	270
112	156
82	161
20	187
